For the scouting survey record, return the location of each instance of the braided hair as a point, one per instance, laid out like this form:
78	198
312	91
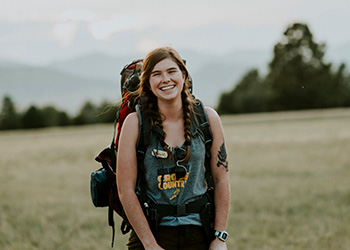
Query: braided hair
149	100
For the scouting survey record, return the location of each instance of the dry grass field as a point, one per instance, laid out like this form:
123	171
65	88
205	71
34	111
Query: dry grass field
289	179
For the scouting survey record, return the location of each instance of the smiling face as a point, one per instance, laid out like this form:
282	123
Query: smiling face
167	80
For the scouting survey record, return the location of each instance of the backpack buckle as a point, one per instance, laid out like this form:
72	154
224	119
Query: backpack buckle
180	210
208	208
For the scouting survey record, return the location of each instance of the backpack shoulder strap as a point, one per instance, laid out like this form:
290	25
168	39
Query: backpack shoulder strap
143	141
207	214
204	127
203	121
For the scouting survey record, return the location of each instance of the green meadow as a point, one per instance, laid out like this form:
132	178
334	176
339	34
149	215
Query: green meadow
289	172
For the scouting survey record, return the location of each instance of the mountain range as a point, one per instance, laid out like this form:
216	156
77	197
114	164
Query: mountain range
95	77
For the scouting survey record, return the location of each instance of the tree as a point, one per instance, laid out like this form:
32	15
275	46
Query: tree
50	114
63	119
33	118
54	117
9	119
299	78
341	88
106	112
87	114
249	95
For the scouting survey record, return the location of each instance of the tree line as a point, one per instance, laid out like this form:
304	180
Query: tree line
49	116
298	78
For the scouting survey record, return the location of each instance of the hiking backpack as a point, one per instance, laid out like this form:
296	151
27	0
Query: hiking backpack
103	186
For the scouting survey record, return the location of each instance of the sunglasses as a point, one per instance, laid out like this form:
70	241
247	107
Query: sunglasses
180	169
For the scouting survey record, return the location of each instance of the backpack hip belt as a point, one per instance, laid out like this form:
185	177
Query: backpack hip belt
180	209
203	206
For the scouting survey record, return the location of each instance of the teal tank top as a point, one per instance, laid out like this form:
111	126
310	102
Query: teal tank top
172	191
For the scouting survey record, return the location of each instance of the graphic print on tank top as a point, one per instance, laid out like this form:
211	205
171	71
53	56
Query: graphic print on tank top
167	181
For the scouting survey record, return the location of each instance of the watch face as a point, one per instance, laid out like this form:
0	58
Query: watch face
221	235
224	236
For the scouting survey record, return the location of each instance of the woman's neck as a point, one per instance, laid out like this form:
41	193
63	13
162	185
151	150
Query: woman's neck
172	111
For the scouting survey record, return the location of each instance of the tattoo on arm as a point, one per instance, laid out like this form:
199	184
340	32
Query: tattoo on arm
222	157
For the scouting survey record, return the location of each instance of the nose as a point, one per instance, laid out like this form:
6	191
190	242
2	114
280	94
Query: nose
165	78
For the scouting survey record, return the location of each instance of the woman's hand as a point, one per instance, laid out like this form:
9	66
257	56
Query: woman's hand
218	245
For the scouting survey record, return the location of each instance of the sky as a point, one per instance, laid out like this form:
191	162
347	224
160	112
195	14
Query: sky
43	31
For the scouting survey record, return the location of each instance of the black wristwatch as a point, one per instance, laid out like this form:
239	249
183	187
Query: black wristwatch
222	235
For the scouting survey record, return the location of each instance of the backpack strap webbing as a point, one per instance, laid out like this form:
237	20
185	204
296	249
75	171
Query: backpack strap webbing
204	127
111	195
207	214
110	216
143	141
180	209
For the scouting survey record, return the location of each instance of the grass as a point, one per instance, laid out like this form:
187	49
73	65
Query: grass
289	179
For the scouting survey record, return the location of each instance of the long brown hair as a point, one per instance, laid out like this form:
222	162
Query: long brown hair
149	100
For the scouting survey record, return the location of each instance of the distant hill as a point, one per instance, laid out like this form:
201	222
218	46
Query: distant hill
211	74
68	84
41	86
221	73
96	66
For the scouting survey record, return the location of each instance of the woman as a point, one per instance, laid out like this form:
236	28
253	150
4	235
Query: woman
167	100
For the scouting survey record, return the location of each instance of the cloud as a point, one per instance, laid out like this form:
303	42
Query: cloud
102	29
77	15
65	32
146	44
62	27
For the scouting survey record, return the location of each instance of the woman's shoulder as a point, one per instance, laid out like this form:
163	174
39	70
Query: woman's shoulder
132	118
213	119
212	114
131	123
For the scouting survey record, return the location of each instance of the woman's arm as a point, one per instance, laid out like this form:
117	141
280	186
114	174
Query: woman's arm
219	169
126	182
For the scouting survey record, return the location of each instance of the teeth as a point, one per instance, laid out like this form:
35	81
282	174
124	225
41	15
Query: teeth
169	87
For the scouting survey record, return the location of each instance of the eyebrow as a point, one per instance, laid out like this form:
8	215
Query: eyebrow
156	71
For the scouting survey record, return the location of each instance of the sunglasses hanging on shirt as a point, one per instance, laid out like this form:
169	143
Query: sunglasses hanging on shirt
180	169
